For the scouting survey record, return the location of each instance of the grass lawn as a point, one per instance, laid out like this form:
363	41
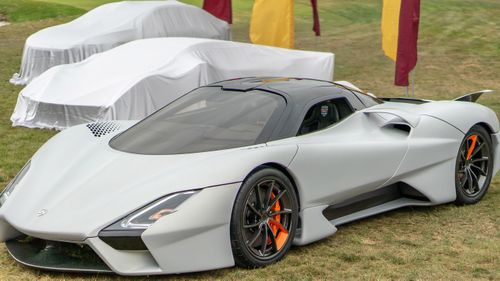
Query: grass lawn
459	52
27	10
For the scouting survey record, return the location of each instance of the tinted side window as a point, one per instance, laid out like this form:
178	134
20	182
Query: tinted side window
324	114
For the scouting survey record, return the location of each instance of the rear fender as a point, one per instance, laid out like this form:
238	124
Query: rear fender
462	115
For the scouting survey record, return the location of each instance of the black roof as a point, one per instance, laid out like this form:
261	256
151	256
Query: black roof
299	93
294	87
279	83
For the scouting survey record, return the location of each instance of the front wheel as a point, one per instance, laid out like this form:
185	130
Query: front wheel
474	167
264	219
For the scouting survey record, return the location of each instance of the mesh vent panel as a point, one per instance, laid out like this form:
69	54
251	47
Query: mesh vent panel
102	128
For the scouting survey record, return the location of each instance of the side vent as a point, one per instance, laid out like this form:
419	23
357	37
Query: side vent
402	127
102	128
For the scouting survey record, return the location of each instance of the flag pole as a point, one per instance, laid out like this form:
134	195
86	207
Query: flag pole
413	81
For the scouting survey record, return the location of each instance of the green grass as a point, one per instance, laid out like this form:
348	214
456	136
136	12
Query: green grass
26	10
459	52
83	4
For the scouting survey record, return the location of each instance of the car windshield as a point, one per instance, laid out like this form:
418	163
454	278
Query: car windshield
205	119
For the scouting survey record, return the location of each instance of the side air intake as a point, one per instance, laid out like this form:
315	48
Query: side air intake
102	128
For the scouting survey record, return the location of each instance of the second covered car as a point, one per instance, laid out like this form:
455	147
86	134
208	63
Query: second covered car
134	80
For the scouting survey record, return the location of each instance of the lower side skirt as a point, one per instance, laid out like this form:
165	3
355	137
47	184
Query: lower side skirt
381	200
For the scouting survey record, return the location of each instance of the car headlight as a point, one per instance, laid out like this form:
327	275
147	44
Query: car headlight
125	234
12	185
146	216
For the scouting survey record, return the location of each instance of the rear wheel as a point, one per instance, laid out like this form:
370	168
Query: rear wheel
474	166
264	219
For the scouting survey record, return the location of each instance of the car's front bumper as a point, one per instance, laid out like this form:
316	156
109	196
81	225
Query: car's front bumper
194	238
52	255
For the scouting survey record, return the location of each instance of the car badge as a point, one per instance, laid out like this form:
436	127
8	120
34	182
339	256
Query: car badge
42	212
324	110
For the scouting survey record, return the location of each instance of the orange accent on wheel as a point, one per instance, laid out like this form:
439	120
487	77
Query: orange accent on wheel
280	233
275	208
282	236
281	240
473	138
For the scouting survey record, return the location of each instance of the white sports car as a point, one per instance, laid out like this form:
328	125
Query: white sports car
238	171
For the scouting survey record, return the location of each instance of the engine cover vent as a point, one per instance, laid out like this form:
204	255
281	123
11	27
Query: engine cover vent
102	128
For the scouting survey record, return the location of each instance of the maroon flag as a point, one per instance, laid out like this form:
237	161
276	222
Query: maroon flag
220	9
316	28
406	60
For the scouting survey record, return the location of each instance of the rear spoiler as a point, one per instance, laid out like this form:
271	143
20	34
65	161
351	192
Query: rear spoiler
473	97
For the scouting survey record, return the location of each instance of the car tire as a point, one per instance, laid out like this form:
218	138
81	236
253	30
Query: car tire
262	230
474	166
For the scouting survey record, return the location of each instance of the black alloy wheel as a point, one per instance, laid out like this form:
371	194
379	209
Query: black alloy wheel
264	219
474	166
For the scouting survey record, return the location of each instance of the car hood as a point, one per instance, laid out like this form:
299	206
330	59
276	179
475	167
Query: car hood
77	184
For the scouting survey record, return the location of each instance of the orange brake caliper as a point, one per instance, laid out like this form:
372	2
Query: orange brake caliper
472	146
279	231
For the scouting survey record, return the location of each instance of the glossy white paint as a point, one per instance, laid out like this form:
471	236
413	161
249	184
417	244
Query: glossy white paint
84	185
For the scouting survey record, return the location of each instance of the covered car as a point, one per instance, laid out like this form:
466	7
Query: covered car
111	25
136	79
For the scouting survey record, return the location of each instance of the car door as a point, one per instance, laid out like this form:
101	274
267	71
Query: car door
345	153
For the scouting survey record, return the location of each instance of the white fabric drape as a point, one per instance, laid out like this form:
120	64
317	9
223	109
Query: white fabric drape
131	81
111	25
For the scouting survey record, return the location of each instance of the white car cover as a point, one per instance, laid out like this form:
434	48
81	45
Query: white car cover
135	79
111	25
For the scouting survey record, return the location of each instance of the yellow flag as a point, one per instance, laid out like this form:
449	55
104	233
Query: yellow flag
273	23
390	27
